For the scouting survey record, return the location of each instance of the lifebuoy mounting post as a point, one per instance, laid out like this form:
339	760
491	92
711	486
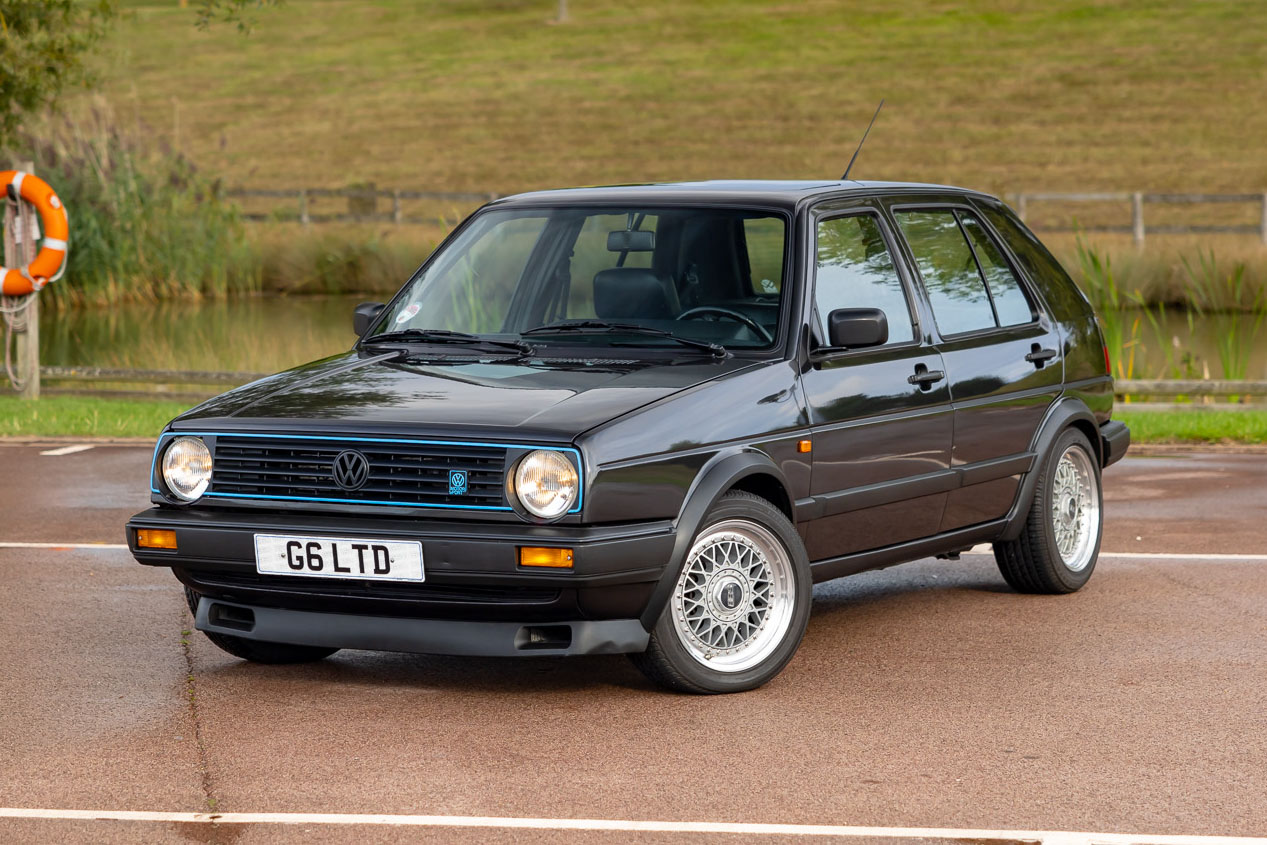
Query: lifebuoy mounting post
26	271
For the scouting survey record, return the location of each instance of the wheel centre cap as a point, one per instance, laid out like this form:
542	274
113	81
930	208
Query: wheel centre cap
728	593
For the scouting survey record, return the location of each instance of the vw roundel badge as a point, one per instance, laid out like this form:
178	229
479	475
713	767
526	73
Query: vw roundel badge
457	482
351	470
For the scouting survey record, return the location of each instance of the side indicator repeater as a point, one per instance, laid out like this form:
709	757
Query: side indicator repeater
804	446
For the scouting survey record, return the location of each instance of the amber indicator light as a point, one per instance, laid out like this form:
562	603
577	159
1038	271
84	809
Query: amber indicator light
551	558
153	538
804	446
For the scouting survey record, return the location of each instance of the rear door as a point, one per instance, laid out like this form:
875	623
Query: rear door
881	442
1001	351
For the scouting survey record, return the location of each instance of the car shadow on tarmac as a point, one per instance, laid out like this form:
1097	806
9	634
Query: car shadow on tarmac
843	611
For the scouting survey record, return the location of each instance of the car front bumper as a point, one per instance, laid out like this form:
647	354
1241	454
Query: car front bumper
475	600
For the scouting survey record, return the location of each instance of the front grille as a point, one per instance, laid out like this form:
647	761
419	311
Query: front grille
409	473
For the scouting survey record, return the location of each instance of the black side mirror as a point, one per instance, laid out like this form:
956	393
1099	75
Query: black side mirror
852	328
364	316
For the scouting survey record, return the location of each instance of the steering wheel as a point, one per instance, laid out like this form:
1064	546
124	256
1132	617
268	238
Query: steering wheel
739	317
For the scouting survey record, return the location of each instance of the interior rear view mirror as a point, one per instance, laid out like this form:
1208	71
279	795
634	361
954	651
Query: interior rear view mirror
852	328
630	241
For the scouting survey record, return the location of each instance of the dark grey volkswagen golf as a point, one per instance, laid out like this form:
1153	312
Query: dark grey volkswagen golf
647	420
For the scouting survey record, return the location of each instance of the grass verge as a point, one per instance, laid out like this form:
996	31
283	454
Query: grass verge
85	416
1195	426
98	417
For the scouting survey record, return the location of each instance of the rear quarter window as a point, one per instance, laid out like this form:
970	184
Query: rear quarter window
1054	284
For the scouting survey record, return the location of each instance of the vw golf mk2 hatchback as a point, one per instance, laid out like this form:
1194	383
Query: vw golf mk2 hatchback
647	420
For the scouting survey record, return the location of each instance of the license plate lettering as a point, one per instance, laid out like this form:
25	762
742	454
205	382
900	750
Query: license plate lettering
334	557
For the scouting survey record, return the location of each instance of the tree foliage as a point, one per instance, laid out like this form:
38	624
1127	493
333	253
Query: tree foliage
43	48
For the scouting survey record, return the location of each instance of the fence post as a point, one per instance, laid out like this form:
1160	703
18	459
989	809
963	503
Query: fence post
20	233
303	207
1137	217
1021	206
1263	224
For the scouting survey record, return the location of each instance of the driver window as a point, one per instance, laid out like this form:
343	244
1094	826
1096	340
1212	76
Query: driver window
855	270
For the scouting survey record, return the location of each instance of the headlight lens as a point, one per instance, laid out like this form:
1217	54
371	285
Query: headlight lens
546	484
187	468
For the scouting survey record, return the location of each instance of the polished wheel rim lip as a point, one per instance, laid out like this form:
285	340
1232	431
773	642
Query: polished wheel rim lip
1075	509
732	605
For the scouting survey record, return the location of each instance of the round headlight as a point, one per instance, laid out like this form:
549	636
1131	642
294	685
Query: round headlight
546	484
187	468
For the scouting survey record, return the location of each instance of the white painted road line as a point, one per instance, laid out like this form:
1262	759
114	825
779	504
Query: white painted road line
986	549
68	450
105	546
1050	837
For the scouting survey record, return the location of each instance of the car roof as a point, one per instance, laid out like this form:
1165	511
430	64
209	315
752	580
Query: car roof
788	193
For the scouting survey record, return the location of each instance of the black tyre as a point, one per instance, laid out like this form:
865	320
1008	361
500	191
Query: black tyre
740	605
1060	542
257	651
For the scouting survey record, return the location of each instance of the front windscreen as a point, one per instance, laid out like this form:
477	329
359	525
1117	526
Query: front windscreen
703	274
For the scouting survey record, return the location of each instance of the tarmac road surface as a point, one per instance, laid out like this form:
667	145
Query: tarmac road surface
924	696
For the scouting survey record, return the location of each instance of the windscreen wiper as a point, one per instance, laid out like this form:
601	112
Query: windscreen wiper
604	327
445	336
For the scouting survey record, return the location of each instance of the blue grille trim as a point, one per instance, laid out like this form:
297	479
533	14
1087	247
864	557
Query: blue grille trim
576	453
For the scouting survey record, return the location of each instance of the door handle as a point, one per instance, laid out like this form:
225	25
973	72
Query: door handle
1039	356
925	377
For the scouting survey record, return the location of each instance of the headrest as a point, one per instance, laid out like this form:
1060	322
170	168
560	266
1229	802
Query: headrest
625	292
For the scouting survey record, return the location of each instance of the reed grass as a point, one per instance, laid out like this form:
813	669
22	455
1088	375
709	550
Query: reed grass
145	223
1219	301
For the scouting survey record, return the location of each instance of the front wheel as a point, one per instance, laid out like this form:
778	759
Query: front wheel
740	605
1060	543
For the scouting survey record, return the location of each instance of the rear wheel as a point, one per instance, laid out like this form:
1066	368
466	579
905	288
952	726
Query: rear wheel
740	605
1060	542
258	651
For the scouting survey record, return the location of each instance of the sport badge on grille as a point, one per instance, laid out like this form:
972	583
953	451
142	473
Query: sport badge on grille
457	482
350	470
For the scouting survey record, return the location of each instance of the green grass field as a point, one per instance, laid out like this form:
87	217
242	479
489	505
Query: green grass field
458	94
85	417
1248	426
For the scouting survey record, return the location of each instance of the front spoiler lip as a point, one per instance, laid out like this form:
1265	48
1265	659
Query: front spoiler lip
418	636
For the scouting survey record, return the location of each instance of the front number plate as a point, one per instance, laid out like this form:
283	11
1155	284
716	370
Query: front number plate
336	557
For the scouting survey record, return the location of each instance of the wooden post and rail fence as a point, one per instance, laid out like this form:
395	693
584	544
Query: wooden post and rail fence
370	204
1137	228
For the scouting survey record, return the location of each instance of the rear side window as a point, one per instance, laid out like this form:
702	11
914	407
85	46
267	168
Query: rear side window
855	270
970	284
955	288
1010	303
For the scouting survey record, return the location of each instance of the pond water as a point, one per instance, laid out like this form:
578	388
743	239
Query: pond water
266	334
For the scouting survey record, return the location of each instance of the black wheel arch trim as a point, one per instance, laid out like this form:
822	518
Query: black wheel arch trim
1064	413
714	480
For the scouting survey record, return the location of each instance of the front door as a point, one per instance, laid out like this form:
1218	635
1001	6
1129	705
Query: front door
881	416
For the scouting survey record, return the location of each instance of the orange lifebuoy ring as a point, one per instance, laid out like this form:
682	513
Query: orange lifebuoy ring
52	256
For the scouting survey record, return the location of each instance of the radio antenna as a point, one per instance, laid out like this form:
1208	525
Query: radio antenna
863	141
